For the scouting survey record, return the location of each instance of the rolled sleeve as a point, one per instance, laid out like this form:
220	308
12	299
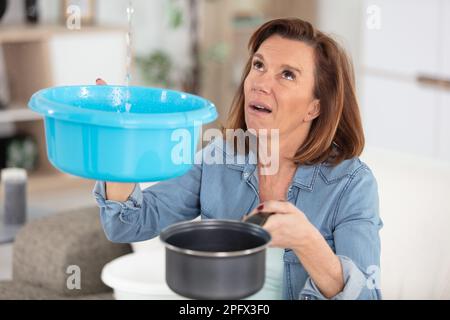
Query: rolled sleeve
355	285
356	240
119	218
146	212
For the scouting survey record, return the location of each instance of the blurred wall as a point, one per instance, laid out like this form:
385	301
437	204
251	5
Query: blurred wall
343	19
150	24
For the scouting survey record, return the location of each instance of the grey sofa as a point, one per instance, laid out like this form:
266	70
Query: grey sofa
45	250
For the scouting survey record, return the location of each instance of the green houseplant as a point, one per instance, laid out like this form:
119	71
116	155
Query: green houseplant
156	68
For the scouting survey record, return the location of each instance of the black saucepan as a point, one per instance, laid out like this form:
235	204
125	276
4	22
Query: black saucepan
216	259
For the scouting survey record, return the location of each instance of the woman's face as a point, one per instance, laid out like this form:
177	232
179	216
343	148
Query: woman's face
279	88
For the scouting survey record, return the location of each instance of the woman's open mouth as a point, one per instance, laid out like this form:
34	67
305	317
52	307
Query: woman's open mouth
260	107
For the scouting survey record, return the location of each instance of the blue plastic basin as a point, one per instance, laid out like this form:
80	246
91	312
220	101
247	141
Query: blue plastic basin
90	134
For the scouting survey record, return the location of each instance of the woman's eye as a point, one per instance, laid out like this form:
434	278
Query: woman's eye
257	65
289	75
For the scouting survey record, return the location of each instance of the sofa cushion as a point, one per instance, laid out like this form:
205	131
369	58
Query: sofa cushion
56	251
16	290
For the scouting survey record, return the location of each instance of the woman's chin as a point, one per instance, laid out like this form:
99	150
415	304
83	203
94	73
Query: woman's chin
258	130
254	125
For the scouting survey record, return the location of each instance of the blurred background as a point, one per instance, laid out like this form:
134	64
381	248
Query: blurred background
400	50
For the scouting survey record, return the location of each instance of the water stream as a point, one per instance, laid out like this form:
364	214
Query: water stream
129	42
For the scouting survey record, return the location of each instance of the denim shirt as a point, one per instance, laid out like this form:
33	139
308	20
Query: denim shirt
340	201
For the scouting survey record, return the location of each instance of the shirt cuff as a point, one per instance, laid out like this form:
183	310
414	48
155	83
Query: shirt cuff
354	281
134	201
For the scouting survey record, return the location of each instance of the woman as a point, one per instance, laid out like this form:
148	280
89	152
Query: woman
326	226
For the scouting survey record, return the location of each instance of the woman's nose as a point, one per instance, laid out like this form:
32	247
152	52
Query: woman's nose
261	89
262	84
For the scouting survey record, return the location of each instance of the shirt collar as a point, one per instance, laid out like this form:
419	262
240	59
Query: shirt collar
304	178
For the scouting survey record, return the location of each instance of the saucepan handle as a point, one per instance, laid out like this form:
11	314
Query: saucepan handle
259	218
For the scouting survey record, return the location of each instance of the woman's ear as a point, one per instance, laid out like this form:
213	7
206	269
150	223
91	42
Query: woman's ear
313	110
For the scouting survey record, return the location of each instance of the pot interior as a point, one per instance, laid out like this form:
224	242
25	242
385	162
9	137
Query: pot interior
218	237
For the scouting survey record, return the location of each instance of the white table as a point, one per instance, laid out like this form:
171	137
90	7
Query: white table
139	276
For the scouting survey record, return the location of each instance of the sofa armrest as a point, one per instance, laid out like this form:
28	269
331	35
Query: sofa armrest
50	251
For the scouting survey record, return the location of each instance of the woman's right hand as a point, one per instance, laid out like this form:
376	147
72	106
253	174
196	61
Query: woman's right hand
116	191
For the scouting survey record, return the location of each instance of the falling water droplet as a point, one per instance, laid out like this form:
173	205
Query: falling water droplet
129	43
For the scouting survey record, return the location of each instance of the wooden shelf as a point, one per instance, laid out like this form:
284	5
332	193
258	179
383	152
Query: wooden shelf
57	182
25	33
58	192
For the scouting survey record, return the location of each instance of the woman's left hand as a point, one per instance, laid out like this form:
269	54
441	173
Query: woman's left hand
288	226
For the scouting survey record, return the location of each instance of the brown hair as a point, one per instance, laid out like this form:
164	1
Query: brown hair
337	133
